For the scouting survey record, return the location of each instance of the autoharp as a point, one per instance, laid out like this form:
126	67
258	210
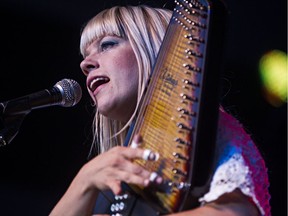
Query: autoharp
178	115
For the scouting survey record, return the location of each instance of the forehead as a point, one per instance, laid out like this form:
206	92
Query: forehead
99	27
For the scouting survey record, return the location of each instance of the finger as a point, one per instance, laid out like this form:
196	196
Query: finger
133	173
131	178
155	178
127	172
143	181
134	169
115	186
130	173
145	154
137	141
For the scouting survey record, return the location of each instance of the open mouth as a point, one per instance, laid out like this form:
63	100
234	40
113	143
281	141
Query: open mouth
95	83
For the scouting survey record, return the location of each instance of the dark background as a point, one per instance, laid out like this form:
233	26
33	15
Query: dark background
39	46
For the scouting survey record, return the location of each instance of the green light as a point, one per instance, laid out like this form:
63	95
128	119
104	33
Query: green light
273	72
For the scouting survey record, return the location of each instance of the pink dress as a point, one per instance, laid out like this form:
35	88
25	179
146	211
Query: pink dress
239	165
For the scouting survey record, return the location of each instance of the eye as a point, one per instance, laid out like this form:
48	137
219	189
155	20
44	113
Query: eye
106	45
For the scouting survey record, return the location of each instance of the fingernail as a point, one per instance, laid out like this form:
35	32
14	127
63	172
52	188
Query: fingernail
146	154
134	144
153	176
159	180
146	182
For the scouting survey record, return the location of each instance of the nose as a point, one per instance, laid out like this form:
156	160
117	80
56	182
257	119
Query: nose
89	64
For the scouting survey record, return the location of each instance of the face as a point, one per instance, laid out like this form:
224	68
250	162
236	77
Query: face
112	76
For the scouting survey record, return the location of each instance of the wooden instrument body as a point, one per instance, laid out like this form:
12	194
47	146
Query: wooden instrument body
178	115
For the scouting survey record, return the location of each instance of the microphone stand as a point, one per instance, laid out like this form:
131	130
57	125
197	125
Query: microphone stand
9	125
8	133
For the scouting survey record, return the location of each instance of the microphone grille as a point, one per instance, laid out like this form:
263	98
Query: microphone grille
70	90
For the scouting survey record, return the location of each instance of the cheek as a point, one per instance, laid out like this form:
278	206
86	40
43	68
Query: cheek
132	67
127	67
132	77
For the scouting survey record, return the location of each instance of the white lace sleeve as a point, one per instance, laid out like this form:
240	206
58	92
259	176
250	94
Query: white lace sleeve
229	176
239	166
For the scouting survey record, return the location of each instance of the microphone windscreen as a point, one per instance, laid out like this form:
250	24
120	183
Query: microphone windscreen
70	90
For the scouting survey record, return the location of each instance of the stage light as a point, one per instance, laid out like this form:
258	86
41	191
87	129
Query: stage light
273	74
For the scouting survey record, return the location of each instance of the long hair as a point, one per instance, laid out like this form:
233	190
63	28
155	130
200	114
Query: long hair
144	27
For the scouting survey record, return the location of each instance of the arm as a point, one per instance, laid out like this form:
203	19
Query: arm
78	199
106	171
230	204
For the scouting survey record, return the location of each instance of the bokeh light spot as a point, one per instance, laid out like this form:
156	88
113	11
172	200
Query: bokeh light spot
273	73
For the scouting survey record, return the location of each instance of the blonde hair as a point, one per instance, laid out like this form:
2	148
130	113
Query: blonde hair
144	27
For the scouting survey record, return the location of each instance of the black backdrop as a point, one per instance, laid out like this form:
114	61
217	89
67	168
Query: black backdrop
39	46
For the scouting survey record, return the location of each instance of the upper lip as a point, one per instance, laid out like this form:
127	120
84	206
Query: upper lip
94	82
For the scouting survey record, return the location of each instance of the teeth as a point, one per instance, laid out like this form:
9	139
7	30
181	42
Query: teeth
95	81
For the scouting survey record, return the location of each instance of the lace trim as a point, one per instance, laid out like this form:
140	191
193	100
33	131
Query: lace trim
229	176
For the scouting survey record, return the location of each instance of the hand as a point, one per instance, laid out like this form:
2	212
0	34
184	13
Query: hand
106	171
109	169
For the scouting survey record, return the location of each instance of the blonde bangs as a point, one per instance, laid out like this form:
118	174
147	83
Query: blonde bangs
104	23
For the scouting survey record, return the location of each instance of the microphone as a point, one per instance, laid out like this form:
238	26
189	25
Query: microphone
66	93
